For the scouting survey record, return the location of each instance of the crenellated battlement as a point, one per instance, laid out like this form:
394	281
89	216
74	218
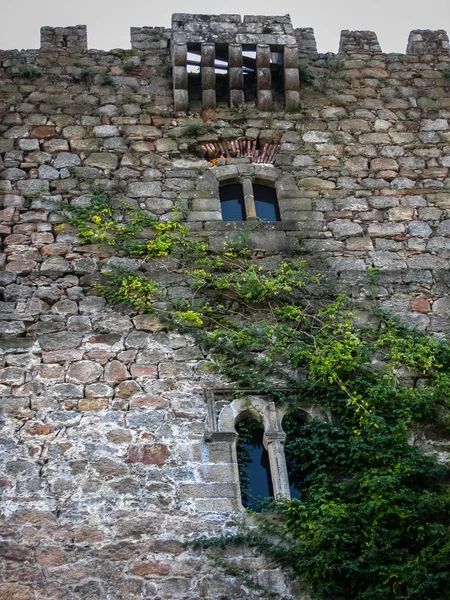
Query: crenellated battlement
214	59
249	29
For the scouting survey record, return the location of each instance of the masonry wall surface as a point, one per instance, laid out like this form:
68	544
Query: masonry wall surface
106	471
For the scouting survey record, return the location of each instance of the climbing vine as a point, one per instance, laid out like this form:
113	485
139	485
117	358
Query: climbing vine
373	519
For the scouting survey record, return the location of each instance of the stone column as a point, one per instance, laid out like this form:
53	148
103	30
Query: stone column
208	72
235	74
291	78
180	78
263	77
274	443
249	199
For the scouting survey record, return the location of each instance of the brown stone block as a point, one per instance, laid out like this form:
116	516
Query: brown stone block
93	404
149	402
126	389
87	533
43	133
38	429
119	436
144	371
52	557
151	454
420	305
388	175
15	591
101	355
84	371
359	244
143	569
115	371
61	356
167	546
22	267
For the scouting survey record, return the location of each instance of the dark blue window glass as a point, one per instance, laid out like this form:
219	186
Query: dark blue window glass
266	204
232	203
253	461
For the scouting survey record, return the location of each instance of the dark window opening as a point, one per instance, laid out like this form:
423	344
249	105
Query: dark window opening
232	202
249	71
277	72
297	470
253	462
266	203
222	74
193	70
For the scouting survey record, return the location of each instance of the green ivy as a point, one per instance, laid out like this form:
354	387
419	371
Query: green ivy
373	518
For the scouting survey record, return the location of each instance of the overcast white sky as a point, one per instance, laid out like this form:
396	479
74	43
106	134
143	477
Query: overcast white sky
108	21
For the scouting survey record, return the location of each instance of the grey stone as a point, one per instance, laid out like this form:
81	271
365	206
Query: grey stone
419	229
105	131
434	125
102	160
66	159
31	187
343	229
443	228
14	174
318	137
47	172
144	189
92	304
55	266
149	421
66	390
440	245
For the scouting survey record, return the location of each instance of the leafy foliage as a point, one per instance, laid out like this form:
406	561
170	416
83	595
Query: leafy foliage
374	514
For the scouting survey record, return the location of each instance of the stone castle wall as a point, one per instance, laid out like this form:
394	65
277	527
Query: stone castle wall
106	470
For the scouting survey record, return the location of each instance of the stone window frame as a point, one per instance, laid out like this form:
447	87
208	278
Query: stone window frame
206	203
225	412
247	182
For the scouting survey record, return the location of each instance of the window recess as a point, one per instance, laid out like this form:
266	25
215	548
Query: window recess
248	200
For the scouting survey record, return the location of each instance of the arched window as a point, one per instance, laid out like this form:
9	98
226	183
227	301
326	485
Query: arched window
263	443
241	201
255	478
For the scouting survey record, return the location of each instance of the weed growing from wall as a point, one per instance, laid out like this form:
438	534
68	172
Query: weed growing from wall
30	72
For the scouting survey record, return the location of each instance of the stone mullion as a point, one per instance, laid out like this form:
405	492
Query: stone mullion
180	78
264	77
291	78
249	198
235	74
274	444
208	72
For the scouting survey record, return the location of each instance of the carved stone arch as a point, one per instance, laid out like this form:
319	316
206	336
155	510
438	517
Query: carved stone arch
239	409
306	412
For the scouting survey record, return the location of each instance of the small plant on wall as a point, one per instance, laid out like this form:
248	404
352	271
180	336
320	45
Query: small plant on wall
29	72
